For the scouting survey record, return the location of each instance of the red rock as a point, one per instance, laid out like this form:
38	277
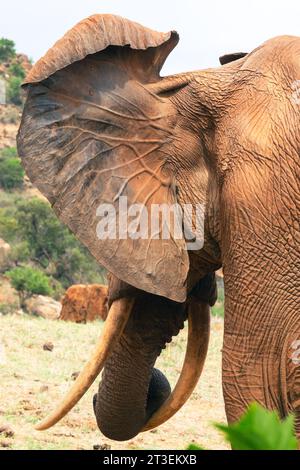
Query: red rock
84	303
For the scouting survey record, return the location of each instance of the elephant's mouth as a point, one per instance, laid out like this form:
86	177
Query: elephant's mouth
158	403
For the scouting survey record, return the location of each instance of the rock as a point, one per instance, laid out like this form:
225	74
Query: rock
19	312
4	254
9	123
24	60
102	447
48	346
7	431
5	444
9	297
43	306
84	303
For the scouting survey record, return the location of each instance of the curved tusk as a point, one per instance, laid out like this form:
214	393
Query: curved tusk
198	337
115	323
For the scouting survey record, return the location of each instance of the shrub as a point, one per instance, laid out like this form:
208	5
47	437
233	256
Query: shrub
8	152
11	173
53	246
28	281
14	92
17	70
8	226
7	50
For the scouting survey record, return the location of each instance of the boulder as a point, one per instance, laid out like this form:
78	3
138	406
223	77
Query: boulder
43	306
4	254
9	297
84	303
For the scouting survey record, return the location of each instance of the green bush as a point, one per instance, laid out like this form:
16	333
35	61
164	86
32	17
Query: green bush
11	173
8	152
8	226
14	92
17	70
7	50
28	281
37	236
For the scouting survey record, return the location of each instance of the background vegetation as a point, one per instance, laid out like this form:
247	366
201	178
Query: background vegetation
12	71
38	240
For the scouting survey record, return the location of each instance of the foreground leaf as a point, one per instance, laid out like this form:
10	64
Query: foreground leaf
260	429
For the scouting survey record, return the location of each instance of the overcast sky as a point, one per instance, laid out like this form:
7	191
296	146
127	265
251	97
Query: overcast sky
207	29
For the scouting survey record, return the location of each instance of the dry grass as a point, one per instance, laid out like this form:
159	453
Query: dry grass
33	380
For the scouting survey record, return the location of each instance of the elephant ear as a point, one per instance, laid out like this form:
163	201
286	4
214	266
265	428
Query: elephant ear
92	133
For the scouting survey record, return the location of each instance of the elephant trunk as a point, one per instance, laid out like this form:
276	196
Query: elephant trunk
124	401
133	396
130	389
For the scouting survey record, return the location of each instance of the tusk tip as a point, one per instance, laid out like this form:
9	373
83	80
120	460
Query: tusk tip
41	426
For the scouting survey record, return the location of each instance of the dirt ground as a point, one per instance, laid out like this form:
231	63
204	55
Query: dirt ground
34	379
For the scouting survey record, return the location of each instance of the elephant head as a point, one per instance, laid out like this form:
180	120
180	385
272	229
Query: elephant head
99	125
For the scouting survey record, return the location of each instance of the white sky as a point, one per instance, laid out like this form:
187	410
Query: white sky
207	29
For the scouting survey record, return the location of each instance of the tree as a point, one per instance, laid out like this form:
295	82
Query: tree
38	238
7	50
53	246
28	281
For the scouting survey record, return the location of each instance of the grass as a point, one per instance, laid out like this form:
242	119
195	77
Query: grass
33	380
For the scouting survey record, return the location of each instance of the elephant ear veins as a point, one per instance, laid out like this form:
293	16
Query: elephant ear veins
92	133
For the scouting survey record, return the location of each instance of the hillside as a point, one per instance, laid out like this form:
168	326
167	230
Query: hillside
13	69
32	241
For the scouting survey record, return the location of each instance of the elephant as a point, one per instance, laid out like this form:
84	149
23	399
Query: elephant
100	123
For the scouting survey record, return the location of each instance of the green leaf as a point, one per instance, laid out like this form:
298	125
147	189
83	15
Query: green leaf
260	429
194	447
